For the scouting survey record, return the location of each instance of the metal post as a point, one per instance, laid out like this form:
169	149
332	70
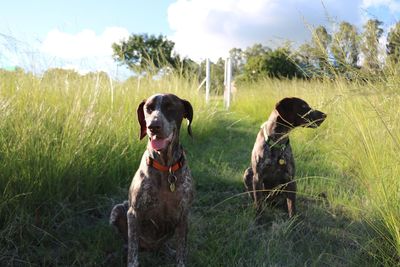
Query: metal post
208	80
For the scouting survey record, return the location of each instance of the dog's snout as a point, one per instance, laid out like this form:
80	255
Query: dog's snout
154	126
319	114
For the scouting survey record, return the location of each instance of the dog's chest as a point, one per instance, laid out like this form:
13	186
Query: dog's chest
156	200
158	208
278	166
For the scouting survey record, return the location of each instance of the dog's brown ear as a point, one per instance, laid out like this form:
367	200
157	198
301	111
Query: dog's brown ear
142	121
285	108
188	114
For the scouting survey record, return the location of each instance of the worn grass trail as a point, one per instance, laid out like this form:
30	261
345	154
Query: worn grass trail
69	147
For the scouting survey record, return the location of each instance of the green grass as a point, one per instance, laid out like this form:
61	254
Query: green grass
69	148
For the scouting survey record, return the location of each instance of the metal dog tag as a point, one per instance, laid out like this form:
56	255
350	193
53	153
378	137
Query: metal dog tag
282	162
172	187
171	180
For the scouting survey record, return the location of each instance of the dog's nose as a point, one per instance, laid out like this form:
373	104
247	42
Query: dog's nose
154	126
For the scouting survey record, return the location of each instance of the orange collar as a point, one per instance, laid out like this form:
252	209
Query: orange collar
171	169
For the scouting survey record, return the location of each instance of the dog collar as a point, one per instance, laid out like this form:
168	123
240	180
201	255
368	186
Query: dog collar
272	143
171	169
275	144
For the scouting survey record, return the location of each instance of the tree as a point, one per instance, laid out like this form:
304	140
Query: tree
255	50
345	48
305	60
278	64
217	75
142	52
188	68
217	71
321	40
254	68
238	59
272	63
254	57
372	33
393	44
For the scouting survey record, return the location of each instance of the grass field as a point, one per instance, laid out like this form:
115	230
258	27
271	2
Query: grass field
69	148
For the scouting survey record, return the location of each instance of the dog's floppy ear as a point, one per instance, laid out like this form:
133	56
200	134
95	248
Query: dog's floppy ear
142	121
285	108
188	114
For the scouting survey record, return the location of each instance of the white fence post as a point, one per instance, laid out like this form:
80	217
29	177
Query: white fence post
208	80
228	82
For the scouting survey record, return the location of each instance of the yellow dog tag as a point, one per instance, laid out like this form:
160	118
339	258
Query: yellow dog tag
172	187
282	162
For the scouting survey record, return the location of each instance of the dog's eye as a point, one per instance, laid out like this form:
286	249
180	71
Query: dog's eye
149	109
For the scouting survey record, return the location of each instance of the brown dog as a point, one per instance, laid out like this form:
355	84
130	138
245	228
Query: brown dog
272	170
161	191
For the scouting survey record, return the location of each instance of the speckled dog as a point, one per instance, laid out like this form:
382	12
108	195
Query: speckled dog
271	175
161	191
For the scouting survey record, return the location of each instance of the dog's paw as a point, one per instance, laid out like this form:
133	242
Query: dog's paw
118	212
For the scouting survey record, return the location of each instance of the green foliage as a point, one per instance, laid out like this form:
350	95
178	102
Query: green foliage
142	52
269	63
217	72
345	46
152	55
369	47
306	61
256	50
393	44
237	56
278	64
320	43
254	68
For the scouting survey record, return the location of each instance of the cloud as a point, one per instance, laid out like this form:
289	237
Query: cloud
209	28
84	51
83	44
392	5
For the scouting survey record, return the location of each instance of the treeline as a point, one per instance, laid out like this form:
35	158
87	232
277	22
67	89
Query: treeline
345	52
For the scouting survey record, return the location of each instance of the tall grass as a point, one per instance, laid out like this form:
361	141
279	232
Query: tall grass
357	148
69	146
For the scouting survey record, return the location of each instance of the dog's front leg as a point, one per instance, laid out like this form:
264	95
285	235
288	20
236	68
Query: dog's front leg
258	193
181	249
248	182
133	239
291	198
